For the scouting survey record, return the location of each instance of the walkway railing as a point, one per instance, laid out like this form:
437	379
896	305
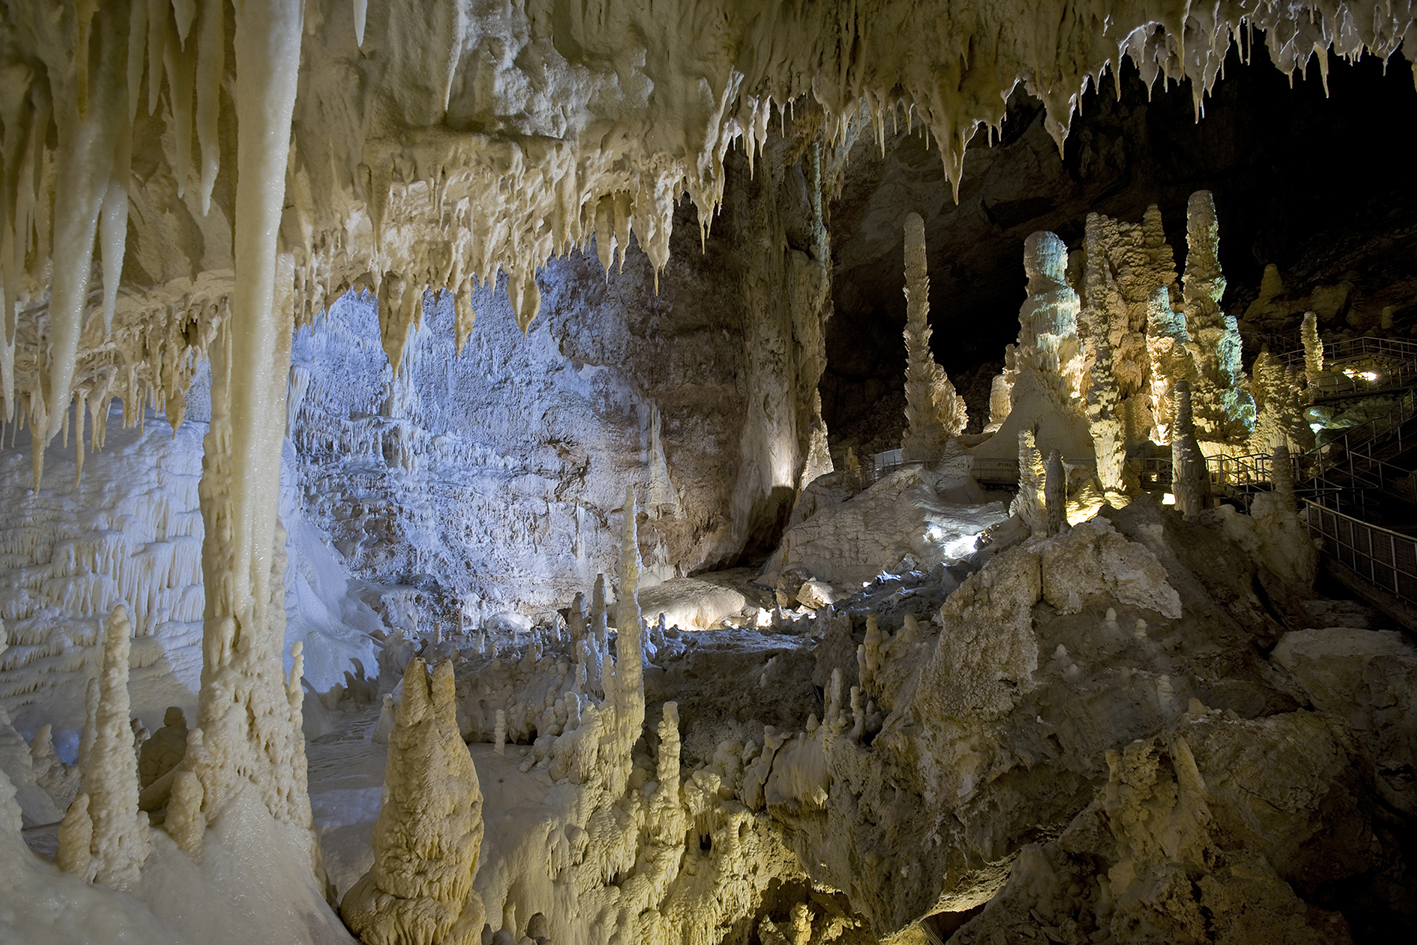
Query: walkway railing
1348	349
1381	557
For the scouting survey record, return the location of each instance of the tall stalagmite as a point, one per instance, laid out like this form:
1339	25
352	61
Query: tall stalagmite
1224	409
934	411
119	840
1190	481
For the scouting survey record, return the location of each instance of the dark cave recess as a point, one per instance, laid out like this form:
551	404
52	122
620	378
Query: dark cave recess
1318	185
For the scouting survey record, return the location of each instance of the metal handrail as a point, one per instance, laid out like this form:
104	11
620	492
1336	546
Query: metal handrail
1380	556
1349	349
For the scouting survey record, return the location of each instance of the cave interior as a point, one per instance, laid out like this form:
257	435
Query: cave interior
707	472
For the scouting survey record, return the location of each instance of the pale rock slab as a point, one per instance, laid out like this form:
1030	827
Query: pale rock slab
915	517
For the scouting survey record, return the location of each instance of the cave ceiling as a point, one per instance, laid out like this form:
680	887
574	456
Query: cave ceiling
431	146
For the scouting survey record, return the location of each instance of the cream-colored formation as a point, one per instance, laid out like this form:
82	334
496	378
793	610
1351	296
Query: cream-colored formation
1224	409
429	832
934	411
104	836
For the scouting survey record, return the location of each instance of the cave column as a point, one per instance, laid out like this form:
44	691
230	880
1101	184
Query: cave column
251	723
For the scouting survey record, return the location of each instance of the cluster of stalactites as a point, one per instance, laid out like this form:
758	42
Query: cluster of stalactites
89	106
490	203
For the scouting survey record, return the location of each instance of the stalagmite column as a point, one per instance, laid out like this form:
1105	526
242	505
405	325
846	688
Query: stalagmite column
1109	435
628	698
1048	322
1055	493
1190	481
75	853
1224	410
1168	346
1280	407
251	726
934	411
120	842
429	832
1029	503
1001	392
1313	347
1282	471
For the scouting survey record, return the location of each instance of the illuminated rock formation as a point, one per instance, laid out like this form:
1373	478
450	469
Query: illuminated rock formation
934	411
1127	268
1190	479
182	184
429	831
113	845
1224	409
1313	347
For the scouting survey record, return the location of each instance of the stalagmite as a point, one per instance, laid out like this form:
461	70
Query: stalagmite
184	822
1128	270
75	853
1109	436
1190	481
1029	504
120	842
1224	409
1048	328
1168	346
1313	347
934	411
1279	398
628	699
1282	466
1001	390
1055	493
429	831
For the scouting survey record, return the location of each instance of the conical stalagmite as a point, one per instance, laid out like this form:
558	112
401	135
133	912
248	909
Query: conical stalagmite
120	831
1224	410
429	832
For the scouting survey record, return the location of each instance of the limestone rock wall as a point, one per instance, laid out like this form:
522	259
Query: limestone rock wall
481	483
